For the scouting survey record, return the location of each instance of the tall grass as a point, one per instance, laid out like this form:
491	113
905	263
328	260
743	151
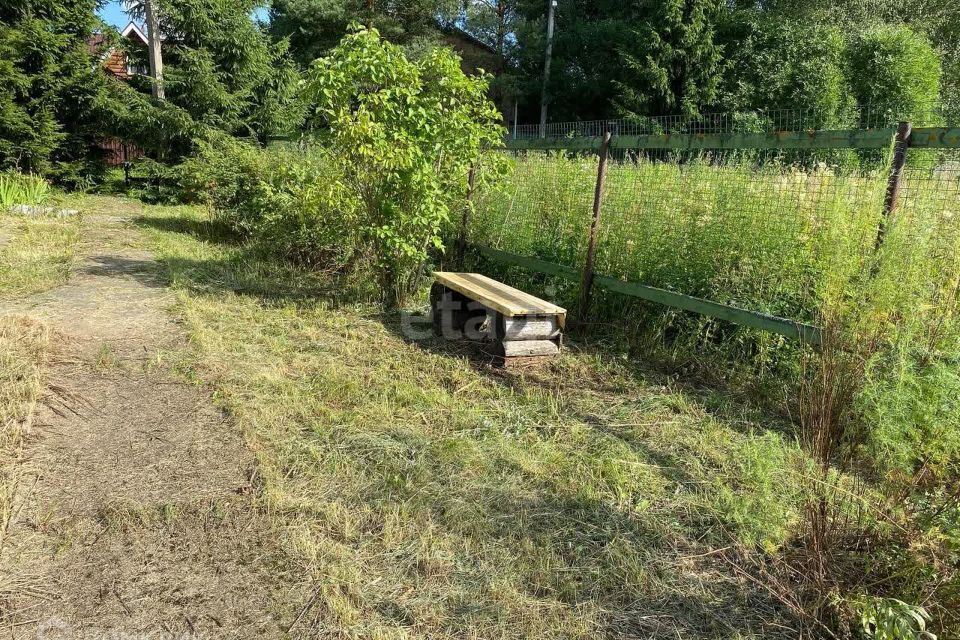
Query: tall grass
36	253
798	239
18	188
752	232
791	238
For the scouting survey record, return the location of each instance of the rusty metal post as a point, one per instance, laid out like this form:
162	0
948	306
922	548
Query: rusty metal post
462	240
901	143
586	285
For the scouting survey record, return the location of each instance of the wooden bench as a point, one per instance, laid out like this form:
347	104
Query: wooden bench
515	324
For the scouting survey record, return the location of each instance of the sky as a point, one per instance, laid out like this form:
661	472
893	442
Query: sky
113	13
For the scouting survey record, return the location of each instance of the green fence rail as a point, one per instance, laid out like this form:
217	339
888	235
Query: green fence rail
782	326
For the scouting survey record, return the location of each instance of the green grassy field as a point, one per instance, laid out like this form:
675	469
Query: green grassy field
431	496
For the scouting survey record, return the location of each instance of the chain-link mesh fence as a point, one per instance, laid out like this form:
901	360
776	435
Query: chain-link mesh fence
921	246
542	209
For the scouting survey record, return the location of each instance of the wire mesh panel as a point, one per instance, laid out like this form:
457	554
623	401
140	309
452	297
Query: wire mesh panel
920	256
542	209
791	223
755	230
864	117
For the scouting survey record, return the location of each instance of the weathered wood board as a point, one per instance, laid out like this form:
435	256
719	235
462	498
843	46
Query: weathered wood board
517	326
526	328
525	348
498	296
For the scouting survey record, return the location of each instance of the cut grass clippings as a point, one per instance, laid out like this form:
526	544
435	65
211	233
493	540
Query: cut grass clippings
23	348
430	496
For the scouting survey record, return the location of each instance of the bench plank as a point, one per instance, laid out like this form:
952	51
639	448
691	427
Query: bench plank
498	296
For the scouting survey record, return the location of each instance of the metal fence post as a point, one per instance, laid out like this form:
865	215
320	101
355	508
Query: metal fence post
468	205
586	285
901	143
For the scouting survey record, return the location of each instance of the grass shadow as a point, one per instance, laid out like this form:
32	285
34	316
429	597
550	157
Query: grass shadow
578	530
213	231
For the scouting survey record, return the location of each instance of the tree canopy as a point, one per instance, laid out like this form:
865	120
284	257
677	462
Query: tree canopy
224	70
227	73
315	26
406	133
48	91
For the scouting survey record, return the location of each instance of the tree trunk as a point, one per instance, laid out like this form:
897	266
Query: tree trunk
156	57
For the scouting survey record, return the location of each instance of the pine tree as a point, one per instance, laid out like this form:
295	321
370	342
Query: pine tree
222	68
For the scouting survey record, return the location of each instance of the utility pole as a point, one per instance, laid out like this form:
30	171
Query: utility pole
156	58
551	7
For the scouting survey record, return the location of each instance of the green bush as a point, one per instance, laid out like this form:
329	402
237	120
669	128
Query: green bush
397	140
294	203
782	64
896	73
892	619
405	134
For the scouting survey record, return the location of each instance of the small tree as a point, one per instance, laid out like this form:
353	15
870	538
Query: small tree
407	133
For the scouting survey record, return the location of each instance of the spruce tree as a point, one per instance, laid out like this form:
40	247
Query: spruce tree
49	85
222	68
673	64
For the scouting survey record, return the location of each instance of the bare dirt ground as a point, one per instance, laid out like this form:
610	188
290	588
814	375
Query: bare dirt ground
138	516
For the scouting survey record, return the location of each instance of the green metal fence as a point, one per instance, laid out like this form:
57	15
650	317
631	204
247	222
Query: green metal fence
744	227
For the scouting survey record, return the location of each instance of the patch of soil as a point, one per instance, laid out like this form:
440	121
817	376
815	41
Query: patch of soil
139	514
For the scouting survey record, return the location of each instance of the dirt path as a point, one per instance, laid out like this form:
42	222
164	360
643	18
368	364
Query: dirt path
138	515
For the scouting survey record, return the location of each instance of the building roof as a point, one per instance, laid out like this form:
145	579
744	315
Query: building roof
133	29
457	33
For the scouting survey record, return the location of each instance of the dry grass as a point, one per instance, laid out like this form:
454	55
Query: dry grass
432	497
36	254
23	347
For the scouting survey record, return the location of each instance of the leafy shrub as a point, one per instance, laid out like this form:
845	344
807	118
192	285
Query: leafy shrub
896	72
783	64
405	133
892	619
294	203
